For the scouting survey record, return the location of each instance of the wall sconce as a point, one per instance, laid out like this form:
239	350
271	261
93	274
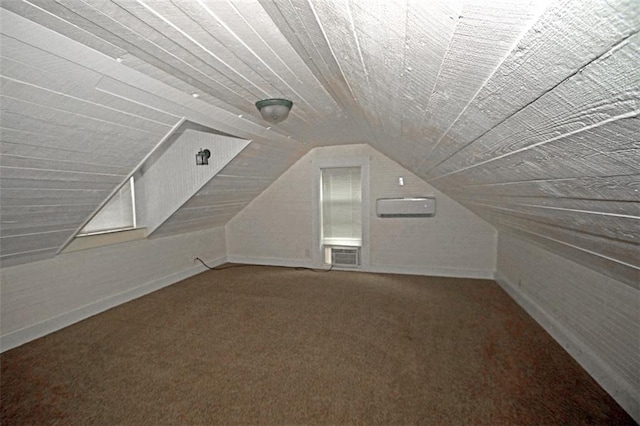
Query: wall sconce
202	157
274	110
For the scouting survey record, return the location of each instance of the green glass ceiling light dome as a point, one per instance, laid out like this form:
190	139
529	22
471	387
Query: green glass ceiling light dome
274	110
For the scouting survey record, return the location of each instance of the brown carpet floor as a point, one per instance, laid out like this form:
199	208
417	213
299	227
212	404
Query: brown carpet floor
266	345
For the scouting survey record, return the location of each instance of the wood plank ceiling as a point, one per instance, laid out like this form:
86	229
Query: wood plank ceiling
524	111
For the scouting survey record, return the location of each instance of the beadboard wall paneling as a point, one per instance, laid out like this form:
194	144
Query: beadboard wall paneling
594	317
174	178
277	226
41	297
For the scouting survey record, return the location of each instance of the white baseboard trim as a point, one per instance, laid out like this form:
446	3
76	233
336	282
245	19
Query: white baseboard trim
621	390
432	272
35	331
383	269
270	261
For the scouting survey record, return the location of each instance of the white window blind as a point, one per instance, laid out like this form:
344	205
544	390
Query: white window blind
341	205
118	214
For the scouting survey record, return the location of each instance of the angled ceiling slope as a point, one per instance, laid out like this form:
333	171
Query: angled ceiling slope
524	111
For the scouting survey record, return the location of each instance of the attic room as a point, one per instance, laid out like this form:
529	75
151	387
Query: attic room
382	175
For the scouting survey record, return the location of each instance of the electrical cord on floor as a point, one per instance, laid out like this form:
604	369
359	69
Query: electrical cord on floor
302	268
218	268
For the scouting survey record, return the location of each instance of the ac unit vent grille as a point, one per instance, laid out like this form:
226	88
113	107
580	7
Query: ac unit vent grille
345	256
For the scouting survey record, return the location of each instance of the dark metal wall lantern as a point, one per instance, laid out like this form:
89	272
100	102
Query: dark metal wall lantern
274	110
202	157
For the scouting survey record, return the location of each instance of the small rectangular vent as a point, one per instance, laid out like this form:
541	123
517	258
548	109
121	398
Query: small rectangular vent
345	256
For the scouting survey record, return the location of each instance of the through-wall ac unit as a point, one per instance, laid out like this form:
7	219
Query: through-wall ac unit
406	207
343	256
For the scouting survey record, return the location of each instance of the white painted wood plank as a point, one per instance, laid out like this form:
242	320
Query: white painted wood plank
28	243
171	228
59	183
75	144
181	104
621	187
59	175
305	34
84	111
47	216
28	146
21	258
276	64
13	107
182	37
614	250
567	37
607	266
78	82
485	34
185	39
617	259
15	229
8	160
615	227
430	27
585	101
582	154
57	18
230	183
28	32
631	208
140	39
49	198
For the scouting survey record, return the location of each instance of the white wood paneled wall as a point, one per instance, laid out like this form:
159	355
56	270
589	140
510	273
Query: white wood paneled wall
277	227
525	112
594	317
174	178
39	298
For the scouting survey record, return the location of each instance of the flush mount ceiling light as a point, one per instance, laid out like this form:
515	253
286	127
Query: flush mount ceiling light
274	110
202	157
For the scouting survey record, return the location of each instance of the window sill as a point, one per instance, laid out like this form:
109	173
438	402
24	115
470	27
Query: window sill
86	242
345	242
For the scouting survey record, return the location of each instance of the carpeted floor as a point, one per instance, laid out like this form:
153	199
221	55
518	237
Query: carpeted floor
266	345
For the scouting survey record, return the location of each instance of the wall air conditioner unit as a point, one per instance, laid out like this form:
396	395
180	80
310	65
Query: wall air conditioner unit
342	256
406	207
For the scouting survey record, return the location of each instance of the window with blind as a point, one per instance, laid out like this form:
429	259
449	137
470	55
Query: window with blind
117	215
341	205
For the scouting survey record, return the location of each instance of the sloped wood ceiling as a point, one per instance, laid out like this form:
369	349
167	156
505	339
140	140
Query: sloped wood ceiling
524	111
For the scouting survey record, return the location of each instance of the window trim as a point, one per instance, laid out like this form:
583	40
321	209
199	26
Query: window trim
131	183
328	163
89	241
